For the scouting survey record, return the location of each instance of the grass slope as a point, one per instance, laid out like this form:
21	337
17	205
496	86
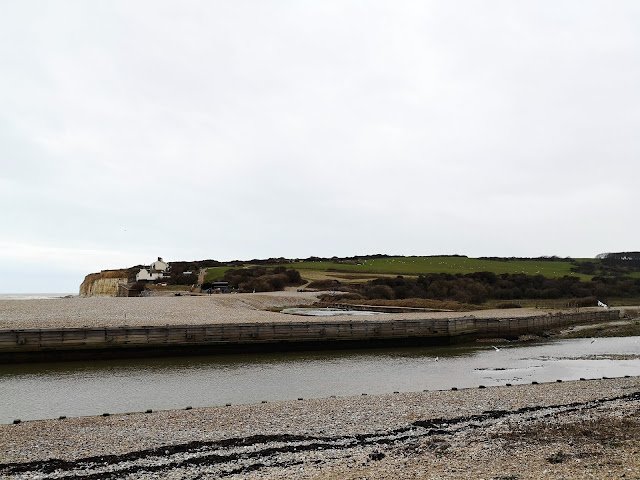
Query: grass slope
215	273
414	266
418	265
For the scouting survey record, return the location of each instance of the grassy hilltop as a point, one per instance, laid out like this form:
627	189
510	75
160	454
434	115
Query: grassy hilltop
455	278
413	266
365	268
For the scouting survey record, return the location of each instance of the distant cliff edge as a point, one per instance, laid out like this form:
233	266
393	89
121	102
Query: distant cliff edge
104	283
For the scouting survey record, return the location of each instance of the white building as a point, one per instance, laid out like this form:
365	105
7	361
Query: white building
155	271
144	274
159	265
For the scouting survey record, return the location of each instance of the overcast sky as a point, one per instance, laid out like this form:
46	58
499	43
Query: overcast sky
252	129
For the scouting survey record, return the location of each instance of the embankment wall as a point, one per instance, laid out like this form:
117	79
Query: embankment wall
26	345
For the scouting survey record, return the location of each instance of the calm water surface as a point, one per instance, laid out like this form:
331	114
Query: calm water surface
36	391
35	296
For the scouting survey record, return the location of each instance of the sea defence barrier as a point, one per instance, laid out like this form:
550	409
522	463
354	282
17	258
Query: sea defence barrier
129	341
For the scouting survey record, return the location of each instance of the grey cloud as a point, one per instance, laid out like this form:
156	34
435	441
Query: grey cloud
501	128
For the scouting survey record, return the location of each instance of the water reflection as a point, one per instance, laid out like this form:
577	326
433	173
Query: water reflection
32	391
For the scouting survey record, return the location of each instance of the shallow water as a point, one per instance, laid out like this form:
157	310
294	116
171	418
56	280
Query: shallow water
327	312
34	296
36	391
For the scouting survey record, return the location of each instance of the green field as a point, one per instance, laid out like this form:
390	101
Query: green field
417	265
215	273
413	266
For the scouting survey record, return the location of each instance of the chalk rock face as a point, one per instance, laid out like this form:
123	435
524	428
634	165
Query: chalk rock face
104	283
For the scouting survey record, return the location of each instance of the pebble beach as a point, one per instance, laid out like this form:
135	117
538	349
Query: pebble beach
196	310
571	430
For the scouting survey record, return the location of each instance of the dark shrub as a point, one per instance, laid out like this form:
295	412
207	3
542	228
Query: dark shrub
324	284
508	305
261	279
294	277
256	284
378	291
400	292
345	296
476	288
277	282
583	302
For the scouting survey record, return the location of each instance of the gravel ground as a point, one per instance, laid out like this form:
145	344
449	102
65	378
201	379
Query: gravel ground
571	430
149	311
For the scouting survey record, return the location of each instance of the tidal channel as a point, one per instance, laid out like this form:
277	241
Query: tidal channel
49	390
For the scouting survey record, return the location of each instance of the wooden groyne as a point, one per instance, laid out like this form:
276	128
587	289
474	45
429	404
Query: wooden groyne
27	345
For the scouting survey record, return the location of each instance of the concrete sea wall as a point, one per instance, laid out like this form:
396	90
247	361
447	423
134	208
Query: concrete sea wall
34	344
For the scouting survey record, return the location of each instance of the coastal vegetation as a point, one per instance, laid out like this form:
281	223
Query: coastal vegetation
546	266
259	279
452	279
458	281
364	268
478	288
